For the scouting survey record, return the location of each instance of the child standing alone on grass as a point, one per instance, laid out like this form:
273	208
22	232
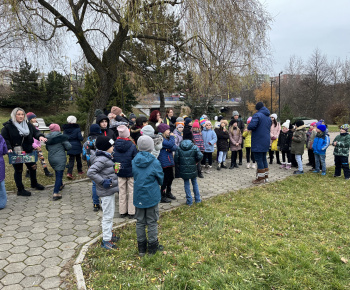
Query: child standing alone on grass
3	195
102	173
321	143
341	145
148	176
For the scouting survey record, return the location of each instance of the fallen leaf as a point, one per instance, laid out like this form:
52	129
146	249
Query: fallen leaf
343	260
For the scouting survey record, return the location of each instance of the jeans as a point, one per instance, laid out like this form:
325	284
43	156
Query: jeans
319	158
95	198
3	195
197	196
222	156
58	181
260	158
341	162
299	161
147	217
108	208
18	174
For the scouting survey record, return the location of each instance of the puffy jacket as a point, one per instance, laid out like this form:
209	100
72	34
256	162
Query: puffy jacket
57	144
321	143
247	135
198	140
166	156
235	137
108	131
223	137
310	138
12	137
36	142
209	139
102	168
187	156
74	137
285	140
148	176
298	141
158	145
3	151
343	145
124	153
260	125
135	133
178	137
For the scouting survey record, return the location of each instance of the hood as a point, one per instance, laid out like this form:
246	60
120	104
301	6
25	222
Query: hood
104	153
143	159
186	145
205	129
122	145
265	111
55	138
69	128
101	117
7	123
301	128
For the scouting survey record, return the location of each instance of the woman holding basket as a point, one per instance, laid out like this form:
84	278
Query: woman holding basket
18	134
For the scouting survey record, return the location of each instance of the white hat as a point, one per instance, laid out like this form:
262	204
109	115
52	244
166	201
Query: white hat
71	119
274	116
286	124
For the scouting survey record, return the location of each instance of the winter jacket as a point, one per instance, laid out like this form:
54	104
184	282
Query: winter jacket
285	140
158	145
247	135
135	133
321	143
108	131
274	132
342	147
74	137
12	137
209	139
103	168
298	141
310	138
171	124
148	176
260	125
57	144
198	140
223	137
36	142
178	137
236	137
166	156
187	156
3	151
124	153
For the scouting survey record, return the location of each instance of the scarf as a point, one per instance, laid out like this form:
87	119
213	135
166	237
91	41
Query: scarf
320	134
22	128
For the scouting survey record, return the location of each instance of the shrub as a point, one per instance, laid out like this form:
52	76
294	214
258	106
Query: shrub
61	118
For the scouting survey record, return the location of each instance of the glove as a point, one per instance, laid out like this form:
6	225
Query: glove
107	183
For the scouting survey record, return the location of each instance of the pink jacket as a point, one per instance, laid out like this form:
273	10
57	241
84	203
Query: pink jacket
36	143
235	138
275	132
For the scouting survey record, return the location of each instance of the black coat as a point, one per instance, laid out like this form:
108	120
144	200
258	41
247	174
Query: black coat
106	132
135	133
223	140
285	140
12	137
74	137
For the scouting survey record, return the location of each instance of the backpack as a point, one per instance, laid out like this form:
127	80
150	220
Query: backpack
89	147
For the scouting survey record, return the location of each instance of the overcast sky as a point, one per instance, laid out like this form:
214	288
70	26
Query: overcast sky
301	26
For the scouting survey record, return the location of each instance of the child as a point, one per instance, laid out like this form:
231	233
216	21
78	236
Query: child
310	137
157	139
167	161
235	142
218	121
247	135
284	143
135	131
89	150
187	156
209	139
202	121
124	153
72	130
178	134
103	121
57	144
320	146
37	145
148	176
274	134
198	141
132	119
298	144
3	195
222	144
102	173
341	145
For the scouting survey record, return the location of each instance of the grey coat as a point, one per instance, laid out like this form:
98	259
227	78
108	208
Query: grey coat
103	168
57	144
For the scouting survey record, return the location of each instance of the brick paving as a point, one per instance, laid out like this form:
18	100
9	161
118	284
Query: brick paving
39	236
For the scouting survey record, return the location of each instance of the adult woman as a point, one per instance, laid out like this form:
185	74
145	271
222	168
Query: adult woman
168	119
18	134
155	120
274	134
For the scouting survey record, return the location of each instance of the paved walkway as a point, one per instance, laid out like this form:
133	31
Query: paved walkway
39	236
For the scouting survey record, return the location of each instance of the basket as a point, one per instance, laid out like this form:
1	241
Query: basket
23	157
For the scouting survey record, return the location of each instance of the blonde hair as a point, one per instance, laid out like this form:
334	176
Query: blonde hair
14	112
231	129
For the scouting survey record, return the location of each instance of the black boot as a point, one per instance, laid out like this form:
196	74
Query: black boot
219	167
142	246
170	195
232	166
23	192
223	165
164	199
47	172
154	247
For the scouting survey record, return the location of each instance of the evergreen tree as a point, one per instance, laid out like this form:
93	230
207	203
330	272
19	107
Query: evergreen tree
56	88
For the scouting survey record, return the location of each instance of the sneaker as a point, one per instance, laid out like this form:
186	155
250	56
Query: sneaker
56	196
131	216
316	171
218	168
323	173
223	165
24	192
81	172
97	207
248	165
236	165
298	172
336	175
108	245
165	200
38	187
253	166
170	196
240	163
123	215
115	238
69	176
200	175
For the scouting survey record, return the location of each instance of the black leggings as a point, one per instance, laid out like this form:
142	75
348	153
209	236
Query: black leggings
168	180
18	174
249	154
208	155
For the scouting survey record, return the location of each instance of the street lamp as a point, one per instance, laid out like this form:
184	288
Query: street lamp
279	94
272	81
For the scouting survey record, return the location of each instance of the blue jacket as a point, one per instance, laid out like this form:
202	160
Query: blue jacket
260	126
321	144
124	153
209	136
166	156
74	137
148	176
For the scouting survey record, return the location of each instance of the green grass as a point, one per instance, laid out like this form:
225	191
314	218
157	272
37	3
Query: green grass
333	128
291	234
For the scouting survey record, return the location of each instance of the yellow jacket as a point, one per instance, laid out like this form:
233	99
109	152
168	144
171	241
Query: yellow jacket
248	139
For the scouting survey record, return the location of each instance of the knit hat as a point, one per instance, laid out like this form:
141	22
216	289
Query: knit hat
286	124
195	124
184	117
204	117
71	119
249	120
202	121
55	128
322	127
345	127
188	120
98	112
30	115
116	110
147	131
163	127
207	122
123	131
235	113
104	143
132	116
299	123
259	105
274	116
145	143
313	124
187	135
318	124
220	118
179	120
224	121
179	125
95	129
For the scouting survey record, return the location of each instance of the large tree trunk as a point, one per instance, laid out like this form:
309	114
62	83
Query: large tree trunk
162	103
